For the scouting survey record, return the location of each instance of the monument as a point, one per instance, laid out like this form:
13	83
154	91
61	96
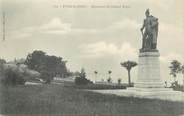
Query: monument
149	81
148	64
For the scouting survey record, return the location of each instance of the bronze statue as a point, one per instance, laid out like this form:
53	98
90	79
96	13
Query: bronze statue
149	32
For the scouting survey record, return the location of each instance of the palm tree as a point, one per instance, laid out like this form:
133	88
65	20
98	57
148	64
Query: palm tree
129	65
175	68
109	80
109	72
95	75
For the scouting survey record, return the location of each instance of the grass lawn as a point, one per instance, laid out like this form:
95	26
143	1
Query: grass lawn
57	100
96	86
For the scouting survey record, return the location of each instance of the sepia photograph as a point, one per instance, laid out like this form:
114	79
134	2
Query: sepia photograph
91	58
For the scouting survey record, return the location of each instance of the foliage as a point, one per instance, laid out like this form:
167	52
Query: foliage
109	80
119	81
12	77
82	80
182	69
177	87
174	84
174	68
129	65
48	66
109	71
2	62
82	74
15	73
46	76
96	72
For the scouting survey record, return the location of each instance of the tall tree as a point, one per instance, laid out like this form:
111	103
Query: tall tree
129	65
109	72
174	68
109	78
48	66
36	60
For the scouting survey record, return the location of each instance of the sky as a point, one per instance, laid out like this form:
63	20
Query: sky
90	37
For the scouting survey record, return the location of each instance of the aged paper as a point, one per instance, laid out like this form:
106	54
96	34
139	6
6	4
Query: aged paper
91	39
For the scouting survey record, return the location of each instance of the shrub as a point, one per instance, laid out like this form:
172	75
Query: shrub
177	87
174	84
47	77
12	77
81	79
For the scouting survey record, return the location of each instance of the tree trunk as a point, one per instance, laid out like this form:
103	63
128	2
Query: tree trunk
95	77
129	80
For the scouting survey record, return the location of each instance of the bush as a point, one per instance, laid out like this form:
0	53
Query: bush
81	81
177	87
47	77
12	77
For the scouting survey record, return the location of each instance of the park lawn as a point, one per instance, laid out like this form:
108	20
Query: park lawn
57	100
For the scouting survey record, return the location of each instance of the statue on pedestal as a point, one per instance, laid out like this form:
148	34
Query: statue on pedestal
149	32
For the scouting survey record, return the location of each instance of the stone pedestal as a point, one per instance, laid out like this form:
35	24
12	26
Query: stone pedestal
149	71
149	83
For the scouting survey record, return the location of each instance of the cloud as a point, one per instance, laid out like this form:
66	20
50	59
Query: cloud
102	49
81	30
56	26
125	24
170	38
171	30
164	4
21	33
